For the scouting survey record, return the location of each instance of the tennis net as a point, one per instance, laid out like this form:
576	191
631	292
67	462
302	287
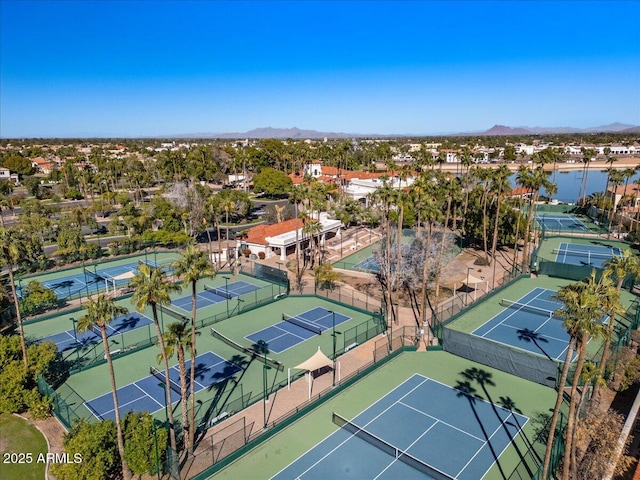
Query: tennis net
528	308
587	253
172	313
388	448
312	327
247	351
219	291
93	275
160	376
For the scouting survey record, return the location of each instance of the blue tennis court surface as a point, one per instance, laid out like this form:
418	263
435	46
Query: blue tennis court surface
529	325
147	394
589	255
369	264
91	280
213	295
451	435
561	223
284	335
121	324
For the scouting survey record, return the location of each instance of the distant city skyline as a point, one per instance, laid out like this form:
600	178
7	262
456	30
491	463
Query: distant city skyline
152	68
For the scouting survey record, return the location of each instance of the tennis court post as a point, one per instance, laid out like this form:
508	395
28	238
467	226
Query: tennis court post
264	349
334	334
75	337
226	289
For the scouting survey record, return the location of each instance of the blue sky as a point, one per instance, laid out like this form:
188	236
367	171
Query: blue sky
146	68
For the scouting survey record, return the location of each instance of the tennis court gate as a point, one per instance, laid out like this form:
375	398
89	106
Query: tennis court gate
492	354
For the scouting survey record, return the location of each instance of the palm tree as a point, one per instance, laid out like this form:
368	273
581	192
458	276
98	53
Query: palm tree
228	205
176	339
296	196
192	266
386	195
101	311
587	155
585	303
619	267
500	186
571	311
451	190
12	249
537	180
152	287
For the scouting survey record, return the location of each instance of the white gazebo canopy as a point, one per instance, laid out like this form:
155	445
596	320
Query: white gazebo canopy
317	361
471	280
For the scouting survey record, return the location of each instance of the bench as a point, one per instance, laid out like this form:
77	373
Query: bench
218	418
349	347
113	352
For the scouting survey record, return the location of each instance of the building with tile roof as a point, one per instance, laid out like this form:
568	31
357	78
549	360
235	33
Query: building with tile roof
280	238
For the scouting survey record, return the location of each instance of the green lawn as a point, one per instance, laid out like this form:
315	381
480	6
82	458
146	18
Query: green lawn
19	437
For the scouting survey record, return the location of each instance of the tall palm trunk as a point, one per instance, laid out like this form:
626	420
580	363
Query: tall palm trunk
399	253
425	272
16	304
556	409
167	389
485	243
442	245
571	419
184	389
192	371
126	473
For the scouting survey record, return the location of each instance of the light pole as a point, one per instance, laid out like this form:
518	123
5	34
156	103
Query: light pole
226	289
155	441
75	337
466	290
394	312
263	349
334	334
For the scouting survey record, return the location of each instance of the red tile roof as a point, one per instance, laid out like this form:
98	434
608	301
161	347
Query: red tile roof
258	234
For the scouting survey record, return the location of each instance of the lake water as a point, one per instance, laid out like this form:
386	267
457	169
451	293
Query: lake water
569	184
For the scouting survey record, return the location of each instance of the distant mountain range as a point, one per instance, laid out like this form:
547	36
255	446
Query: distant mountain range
297	133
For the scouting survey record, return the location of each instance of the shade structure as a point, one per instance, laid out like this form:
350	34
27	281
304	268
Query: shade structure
471	280
317	361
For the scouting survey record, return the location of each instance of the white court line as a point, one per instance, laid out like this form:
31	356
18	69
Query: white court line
508	316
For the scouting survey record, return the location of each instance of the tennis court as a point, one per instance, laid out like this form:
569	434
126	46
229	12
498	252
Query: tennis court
561	223
212	295
589	255
412	433
147	394
293	330
529	324
369	264
72	339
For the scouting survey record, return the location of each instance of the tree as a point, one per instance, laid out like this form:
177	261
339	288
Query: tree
619	267
297	195
191	267
584	305
141	438
101	311
36	298
272	182
18	388
12	249
325	276
94	447
152	287
176	339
